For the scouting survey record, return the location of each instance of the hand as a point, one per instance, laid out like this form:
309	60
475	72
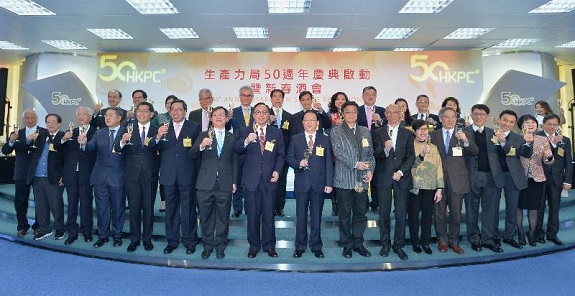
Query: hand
425	150
33	136
362	166
437	198
376	117
162	130
557	139
273	119
275	177
338	121
430	120
82	139
528	137
317	106
327	189
396	176
13	137
461	136
500	134
547	153
250	138
234	188
97	108
206	142
126	138
130	114
368	177
388	145
67	136
60	182
303	163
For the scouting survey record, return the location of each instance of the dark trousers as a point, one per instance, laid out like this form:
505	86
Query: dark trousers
214	208
455	202
420	203
553	198
141	209
79	196
511	203
110	207
48	199
260	205
181	216
400	204
373	190
484	193
238	196
314	202
21	196
352	207
281	192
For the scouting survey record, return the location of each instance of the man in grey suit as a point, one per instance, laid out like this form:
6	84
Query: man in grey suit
354	163
453	145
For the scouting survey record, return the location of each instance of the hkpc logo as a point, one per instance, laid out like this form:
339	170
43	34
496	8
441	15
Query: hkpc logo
127	71
439	71
509	99
64	100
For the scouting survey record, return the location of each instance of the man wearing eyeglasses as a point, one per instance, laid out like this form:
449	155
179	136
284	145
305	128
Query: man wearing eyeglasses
201	116
308	102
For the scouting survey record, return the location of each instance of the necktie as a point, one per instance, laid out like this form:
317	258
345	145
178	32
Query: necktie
550	137
205	120
369	118
262	140
390	132
143	136
177	128
353	130
112	138
310	143
246	116
278	117
220	144
447	141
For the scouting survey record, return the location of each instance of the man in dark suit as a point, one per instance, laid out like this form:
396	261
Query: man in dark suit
422	104
308	103
559	176
138	96
45	175
485	181
281	119
510	148
394	155
114	99
20	142
77	170
108	178
217	181
264	158
309	154
201	116
178	174
142	174
453	145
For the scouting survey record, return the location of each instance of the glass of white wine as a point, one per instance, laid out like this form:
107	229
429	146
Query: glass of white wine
130	129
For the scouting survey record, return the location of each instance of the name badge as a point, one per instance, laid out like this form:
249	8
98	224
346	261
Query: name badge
187	142
364	143
457	151
270	146
511	151
147	141
51	147
285	125
560	151
319	151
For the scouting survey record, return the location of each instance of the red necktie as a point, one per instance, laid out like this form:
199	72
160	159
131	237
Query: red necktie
262	140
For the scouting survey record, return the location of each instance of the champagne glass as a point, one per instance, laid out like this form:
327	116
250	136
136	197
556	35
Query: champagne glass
130	129
211	135
71	126
99	103
166	123
524	129
306	155
495	121
559	132
430	126
256	128
372	110
37	131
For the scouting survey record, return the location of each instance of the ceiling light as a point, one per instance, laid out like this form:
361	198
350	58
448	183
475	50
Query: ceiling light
251	32
425	6
513	43
344	49
6	45
110	33
467	33
286	49
165	49
395	33
25	7
567	45
322	32
288	6
180	33
64	44
153	6
225	49
555	6
408	49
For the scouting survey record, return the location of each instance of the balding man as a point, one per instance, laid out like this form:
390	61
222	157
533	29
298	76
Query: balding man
114	100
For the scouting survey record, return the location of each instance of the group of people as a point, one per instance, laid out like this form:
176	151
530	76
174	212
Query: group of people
222	161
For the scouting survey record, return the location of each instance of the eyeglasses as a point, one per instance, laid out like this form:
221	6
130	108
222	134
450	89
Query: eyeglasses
261	112
178	109
350	112
246	96
478	114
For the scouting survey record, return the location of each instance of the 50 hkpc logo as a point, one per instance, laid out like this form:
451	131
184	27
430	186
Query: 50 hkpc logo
127	71
509	99
439	71
64	100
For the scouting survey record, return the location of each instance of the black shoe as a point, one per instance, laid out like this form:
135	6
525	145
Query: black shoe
206	253
190	249
220	254
132	247
540	240
334	210
22	232
362	251
494	248
39	235
476	247
532	240
346	252
416	249
272	253
169	249
373	209
556	241
512	243
400	253
70	240
427	249
521	237
148	246
59	235
252	254
117	242
236	214
297	253
280	213
318	254
162	210
384	252
100	242
88	238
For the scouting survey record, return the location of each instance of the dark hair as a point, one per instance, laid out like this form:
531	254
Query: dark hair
456	101
264	104
421	96
545	106
303	93
480	107
144	94
417	123
522	119
368	88
277	90
116	91
170	97
445	109
551	116
509	112
58	118
182	102
150	106
331	105
219	108
117	110
407	116
350	103
313	112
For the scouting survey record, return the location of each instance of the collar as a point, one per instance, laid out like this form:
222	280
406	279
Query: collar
115	128
475	127
448	130
307	135
147	126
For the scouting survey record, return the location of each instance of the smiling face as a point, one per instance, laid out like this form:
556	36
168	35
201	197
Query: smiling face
310	123
479	116
219	118
277	99
339	101
246	97
114	98
306	101
350	115
422	133
205	99
506	122
369	97
30	119
177	111
261	114
52	124
392	112
143	114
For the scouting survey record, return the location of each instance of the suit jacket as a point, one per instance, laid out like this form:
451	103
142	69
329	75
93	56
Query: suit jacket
224	168
23	154
76	159
237	121
196	116
362	117
284	127
109	167
493	158
346	152
98	122
55	158
401	158
455	172
320	164
561	171
257	165
516	171
176	165
140	161
432	116
296	125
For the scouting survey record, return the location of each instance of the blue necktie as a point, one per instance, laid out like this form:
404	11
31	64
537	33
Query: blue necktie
111	138
143	136
447	141
220	143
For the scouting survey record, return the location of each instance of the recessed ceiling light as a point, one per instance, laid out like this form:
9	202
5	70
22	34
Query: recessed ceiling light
344	49
251	32
408	49
180	33
6	45
425	6
64	44
567	45
555	6
165	49
153	6
110	33
225	49
286	49
513	43
395	33
288	6
322	32
25	7
467	33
